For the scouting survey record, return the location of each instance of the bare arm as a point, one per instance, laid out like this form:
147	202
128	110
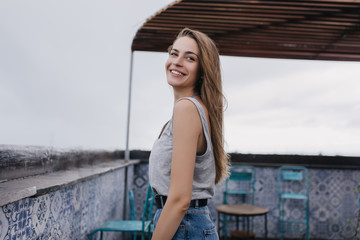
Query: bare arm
186	131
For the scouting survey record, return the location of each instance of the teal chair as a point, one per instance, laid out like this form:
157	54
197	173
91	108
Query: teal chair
132	209
240	184
143	226
293	185
132	205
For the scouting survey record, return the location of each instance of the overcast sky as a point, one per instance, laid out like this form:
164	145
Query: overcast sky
64	70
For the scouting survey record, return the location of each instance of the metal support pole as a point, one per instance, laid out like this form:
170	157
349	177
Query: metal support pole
266	230
125	206
127	151
125	192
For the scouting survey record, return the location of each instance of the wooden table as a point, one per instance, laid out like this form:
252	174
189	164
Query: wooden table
242	210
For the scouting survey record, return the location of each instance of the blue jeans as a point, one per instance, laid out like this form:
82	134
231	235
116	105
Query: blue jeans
197	224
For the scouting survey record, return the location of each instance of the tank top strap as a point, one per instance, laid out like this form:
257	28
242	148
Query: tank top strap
202	116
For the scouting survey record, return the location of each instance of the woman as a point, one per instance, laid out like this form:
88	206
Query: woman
188	158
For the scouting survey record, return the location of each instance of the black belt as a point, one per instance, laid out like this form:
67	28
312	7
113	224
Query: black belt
160	202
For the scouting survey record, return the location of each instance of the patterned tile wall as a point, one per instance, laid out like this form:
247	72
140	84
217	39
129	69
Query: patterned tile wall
70	213
333	201
73	212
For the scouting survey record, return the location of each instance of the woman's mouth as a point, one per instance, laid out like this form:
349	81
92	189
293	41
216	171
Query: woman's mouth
177	73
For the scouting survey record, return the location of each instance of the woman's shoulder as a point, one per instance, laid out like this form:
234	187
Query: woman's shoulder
185	105
191	104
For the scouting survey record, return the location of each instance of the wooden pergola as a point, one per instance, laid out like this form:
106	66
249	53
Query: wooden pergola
292	29
289	29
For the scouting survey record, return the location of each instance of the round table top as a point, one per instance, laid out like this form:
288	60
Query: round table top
242	209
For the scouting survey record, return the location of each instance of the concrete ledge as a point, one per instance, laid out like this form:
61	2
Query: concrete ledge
24	161
14	190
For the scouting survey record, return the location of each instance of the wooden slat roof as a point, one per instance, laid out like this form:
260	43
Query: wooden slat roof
292	29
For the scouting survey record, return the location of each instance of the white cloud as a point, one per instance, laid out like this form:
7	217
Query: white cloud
309	110
64	69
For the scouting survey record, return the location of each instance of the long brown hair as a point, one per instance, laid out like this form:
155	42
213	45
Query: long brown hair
209	86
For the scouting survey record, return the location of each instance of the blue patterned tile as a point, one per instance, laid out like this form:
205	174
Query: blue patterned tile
72	212
41	213
19	216
69	213
332	201
4	225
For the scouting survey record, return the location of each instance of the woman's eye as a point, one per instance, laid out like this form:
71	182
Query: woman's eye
191	58
173	54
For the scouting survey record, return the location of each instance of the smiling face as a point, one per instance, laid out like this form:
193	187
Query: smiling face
182	66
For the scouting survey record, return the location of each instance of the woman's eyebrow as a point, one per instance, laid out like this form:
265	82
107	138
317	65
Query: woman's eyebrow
187	52
190	52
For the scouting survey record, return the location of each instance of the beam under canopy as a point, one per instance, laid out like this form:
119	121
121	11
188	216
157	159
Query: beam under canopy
291	29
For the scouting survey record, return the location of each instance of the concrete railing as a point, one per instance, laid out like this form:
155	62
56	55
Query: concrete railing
60	194
48	194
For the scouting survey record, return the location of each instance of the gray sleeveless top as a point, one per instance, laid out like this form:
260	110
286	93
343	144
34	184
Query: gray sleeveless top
161	157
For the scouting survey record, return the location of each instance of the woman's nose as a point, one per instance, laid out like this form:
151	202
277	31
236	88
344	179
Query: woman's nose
178	61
